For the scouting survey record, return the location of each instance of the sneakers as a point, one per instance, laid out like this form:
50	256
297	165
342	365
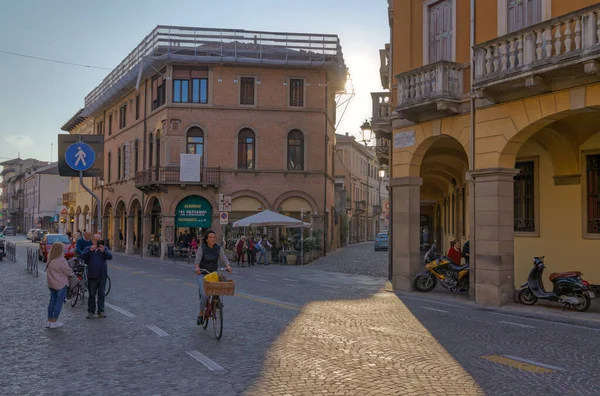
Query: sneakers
48	325
56	325
200	319
90	315
101	315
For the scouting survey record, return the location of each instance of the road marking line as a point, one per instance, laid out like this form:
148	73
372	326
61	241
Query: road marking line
329	286
290	280
169	279
190	285
516	324
121	310
289	284
208	363
434	309
269	301
262	280
261	276
518	364
157	330
138	272
117	268
520	359
153	276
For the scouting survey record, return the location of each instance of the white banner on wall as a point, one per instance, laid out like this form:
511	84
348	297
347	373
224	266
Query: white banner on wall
189	168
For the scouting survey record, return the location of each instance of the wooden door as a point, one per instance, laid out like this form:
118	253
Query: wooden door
523	13
440	31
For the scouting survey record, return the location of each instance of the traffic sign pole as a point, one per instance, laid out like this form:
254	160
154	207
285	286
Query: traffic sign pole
86	188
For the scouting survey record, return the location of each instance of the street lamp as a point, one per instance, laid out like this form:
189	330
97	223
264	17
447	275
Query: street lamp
366	129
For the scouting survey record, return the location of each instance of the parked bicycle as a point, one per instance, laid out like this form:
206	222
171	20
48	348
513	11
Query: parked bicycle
214	302
80	288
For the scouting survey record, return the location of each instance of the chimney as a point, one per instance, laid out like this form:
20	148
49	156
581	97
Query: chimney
346	133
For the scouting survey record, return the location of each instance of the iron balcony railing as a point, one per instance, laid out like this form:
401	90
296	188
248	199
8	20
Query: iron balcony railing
170	175
219	46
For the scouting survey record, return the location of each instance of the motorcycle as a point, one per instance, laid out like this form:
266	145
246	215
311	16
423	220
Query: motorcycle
440	268
568	288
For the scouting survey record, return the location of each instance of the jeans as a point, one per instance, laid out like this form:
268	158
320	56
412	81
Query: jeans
200	282
251	257
96	285
261	255
57	298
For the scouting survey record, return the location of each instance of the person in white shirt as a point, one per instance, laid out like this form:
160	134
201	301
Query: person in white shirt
262	245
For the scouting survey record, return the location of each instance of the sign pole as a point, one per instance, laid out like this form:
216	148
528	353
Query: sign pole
86	188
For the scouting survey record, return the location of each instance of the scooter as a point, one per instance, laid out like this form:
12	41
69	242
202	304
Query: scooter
568	288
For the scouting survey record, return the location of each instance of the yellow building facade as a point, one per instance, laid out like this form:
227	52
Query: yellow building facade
501	148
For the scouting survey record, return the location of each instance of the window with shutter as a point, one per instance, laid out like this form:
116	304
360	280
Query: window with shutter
523	13
440	31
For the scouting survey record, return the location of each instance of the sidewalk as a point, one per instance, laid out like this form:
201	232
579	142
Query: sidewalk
543	310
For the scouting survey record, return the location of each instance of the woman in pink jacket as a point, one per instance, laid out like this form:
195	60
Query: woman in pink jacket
57	273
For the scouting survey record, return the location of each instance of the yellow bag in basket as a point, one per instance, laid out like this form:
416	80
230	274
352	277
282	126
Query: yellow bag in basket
212	277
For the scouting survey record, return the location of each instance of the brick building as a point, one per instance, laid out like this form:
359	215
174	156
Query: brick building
253	112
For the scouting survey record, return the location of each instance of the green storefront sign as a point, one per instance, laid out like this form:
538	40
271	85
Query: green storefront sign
193	211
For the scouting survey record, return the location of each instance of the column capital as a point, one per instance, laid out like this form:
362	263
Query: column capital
131	217
492	174
406	181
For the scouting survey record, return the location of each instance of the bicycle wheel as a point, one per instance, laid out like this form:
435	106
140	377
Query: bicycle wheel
107	288
207	313
74	296
217	317
82	290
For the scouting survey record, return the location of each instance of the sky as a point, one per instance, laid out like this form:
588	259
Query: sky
38	97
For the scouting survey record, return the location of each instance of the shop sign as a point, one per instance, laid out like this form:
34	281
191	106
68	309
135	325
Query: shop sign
193	211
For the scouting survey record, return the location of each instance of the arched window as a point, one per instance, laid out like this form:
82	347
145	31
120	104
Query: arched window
295	150
195	142
119	162
246	149
109	166
150	145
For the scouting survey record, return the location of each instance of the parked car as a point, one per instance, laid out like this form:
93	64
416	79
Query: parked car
31	232
49	240
38	235
381	241
9	230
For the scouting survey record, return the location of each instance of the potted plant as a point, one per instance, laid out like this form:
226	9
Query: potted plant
291	257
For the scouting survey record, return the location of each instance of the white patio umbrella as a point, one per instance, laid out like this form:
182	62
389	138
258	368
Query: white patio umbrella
266	218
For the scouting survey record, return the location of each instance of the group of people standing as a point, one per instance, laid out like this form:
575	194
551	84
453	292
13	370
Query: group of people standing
92	251
249	248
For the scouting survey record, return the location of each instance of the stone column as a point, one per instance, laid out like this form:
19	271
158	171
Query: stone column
167	235
105	228
115	233
146	232
129	237
493	219
406	219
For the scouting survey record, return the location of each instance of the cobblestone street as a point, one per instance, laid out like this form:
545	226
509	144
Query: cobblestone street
288	331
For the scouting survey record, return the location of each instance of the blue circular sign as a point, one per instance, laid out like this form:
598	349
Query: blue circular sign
80	156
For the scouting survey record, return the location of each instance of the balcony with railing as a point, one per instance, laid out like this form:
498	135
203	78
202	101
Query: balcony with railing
382	150
431	91
158	178
69	198
555	54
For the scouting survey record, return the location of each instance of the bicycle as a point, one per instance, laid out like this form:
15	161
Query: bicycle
82	286
214	292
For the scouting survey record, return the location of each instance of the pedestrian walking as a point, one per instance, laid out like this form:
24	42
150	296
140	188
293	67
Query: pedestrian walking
57	273
240	249
251	251
262	247
96	256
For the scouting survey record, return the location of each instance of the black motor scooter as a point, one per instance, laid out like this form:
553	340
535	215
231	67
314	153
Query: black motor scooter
568	289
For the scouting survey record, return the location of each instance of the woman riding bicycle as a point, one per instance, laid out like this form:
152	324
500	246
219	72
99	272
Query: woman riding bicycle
207	260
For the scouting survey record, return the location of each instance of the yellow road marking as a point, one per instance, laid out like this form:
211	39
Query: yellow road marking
169	279
116	267
138	272
274	303
190	285
152	276
516	364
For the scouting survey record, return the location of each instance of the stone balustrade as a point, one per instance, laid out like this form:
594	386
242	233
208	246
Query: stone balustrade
382	106
439	80
548	44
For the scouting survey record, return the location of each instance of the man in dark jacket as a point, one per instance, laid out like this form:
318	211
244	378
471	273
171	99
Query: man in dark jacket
95	256
82	243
